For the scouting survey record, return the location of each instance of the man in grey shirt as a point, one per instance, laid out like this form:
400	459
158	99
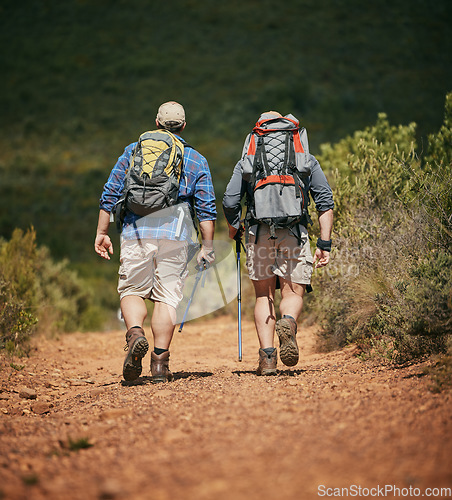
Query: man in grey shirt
281	258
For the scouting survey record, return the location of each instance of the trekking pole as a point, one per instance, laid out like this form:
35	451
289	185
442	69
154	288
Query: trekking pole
201	268
217	274
238	244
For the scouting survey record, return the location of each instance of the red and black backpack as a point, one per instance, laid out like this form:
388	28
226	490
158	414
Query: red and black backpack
276	163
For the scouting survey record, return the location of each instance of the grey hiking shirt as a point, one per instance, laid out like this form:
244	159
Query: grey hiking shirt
318	189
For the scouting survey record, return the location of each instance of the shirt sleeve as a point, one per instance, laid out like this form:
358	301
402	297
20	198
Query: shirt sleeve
235	190
320	190
203	192
113	187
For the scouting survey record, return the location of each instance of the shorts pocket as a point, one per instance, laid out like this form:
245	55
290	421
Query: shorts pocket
122	273
308	267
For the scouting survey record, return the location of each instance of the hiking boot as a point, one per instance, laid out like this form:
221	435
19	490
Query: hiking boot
286	329
160	367
137	347
267	363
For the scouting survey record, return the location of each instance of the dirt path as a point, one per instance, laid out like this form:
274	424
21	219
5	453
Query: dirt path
217	431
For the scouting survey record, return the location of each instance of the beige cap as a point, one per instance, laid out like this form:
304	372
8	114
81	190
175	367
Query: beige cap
171	114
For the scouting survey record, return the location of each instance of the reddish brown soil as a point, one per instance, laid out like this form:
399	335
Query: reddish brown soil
218	431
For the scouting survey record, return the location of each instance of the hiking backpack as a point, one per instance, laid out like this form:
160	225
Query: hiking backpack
152	179
276	162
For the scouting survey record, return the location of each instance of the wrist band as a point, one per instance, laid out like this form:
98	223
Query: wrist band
324	245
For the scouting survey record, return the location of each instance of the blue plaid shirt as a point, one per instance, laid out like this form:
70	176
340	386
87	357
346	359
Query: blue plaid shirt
195	189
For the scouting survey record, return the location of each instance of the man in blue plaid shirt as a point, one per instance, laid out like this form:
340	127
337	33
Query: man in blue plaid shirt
155	248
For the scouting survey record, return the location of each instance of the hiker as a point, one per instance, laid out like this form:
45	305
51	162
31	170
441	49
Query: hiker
277	175
155	248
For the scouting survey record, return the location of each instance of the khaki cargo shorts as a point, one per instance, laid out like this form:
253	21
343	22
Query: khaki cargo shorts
153	269
282	256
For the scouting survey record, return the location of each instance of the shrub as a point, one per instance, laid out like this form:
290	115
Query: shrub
36	293
430	190
389	285
416	314
16	323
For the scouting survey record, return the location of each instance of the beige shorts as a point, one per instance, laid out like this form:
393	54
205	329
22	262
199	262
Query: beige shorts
153	269
282	256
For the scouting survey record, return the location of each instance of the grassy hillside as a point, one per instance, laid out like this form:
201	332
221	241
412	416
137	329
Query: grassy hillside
82	78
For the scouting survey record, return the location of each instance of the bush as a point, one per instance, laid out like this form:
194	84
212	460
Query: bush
36	293
430	190
389	285
416	314
16	323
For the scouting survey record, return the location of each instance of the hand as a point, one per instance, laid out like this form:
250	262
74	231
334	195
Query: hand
322	256
103	246
207	254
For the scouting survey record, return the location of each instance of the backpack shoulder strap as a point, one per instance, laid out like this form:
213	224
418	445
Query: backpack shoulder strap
288	146
260	159
263	155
